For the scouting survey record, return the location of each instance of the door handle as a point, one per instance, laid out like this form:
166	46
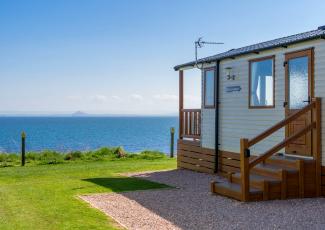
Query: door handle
307	100
285	103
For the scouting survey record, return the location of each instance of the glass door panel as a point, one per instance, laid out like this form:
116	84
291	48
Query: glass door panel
298	82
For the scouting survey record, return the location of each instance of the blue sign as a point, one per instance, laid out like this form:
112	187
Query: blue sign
235	88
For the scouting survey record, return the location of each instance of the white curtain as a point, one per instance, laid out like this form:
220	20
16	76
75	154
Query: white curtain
254	84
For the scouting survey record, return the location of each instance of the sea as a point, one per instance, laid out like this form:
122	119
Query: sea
66	134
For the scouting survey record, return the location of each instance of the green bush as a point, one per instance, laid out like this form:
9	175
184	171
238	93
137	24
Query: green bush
9	157
148	155
100	154
53	157
120	152
50	157
32	156
76	155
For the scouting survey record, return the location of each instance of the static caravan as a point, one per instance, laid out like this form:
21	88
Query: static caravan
260	122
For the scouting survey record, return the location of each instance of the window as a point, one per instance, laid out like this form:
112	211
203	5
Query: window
261	83
209	93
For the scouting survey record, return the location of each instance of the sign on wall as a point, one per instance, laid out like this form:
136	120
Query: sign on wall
235	88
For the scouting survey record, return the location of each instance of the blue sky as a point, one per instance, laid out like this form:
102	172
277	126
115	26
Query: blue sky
116	57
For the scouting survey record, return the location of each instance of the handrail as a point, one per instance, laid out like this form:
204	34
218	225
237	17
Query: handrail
280	125
315	127
191	110
281	145
190	123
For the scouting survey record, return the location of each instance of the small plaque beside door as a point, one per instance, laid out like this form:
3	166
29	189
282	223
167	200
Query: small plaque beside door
235	88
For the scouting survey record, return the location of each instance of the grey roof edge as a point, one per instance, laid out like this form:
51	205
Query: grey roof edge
271	44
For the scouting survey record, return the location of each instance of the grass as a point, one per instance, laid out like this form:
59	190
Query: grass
43	195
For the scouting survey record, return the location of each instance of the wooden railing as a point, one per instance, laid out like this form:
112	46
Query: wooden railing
315	127
190	123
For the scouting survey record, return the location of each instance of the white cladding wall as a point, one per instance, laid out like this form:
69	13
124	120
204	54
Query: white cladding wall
237	121
207	120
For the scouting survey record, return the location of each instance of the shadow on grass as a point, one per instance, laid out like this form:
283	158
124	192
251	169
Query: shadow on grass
121	184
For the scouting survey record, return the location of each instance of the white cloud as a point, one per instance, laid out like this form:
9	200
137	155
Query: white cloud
165	97
137	97
116	98
74	97
99	98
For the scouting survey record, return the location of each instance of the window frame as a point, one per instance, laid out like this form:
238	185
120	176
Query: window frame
214	88
271	57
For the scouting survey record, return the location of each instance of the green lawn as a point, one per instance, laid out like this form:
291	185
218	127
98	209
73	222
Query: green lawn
45	196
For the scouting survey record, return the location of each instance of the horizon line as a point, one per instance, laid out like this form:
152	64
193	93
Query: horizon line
90	115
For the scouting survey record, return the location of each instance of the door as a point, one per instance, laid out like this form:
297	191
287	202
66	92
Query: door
299	91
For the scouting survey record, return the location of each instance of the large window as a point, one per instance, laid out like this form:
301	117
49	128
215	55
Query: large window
209	89
261	83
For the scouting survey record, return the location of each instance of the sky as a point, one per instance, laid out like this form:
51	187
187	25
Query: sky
117	57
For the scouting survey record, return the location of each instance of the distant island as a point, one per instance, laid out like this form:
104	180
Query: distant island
79	114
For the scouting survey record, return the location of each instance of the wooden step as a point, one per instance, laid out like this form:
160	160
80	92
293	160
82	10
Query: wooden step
282	160
233	190
271	187
256	180
272	170
279	177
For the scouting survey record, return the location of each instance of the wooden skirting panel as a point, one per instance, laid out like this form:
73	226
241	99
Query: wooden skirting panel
190	155
323	181
229	162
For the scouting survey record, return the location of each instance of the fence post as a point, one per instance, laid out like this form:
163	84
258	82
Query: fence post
23	148
172	133
244	168
181	103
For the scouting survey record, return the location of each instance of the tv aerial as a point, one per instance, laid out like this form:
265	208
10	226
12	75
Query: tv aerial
199	44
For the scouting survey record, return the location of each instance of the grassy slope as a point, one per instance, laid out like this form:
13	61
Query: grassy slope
45	197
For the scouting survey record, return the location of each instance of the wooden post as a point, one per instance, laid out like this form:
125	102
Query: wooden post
283	174
316	144
300	166
244	169
181	102
172	132
23	148
265	190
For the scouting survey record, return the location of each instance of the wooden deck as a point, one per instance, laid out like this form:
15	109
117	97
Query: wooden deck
278	178
263	177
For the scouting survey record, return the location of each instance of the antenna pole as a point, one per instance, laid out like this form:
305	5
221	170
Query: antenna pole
199	44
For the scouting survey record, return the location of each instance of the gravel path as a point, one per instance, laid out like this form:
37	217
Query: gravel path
191	206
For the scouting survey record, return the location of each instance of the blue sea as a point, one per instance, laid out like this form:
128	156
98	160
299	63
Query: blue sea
87	133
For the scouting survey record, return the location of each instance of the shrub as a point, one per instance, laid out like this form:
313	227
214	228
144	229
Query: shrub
50	157
119	152
9	157
100	154
73	155
53	157
105	151
32	156
148	155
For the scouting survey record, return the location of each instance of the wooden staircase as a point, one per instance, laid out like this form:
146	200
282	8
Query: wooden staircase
275	176
279	177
